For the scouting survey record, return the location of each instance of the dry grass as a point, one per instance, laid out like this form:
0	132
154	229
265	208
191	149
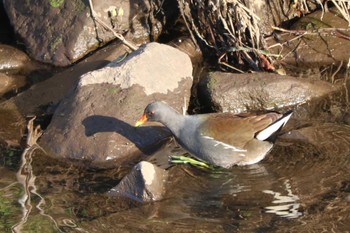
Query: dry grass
228	32
225	30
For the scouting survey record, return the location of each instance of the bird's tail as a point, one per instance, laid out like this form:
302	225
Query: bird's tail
270	132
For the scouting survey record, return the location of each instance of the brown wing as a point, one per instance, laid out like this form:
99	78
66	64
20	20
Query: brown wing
236	130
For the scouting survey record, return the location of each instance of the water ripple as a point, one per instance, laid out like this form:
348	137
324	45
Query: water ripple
287	205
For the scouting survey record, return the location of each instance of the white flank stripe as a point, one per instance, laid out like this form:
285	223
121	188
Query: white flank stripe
266	133
225	145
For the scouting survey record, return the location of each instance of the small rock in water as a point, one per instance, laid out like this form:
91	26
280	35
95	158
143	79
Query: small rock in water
144	183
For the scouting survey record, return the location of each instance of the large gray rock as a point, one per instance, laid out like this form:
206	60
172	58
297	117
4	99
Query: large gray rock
144	183
95	122
62	32
236	93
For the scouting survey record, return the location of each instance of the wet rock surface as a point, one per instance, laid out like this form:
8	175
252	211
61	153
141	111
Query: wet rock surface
229	92
68	32
17	70
12	59
10	82
12	125
102	110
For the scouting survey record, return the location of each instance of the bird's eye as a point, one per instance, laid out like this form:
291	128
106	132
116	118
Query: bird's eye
150	113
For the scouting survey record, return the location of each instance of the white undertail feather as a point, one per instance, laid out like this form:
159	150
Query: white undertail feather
266	133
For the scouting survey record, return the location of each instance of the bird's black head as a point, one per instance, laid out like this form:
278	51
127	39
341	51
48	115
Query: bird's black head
153	112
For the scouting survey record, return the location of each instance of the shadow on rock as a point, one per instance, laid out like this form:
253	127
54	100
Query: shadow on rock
137	135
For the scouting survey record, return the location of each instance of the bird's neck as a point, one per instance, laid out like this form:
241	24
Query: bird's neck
173	121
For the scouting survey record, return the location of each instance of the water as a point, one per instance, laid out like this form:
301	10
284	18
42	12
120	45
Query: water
297	188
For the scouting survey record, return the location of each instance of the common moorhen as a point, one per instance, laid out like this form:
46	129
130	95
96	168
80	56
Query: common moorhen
221	139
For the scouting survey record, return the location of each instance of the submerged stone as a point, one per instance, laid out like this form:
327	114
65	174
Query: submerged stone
144	183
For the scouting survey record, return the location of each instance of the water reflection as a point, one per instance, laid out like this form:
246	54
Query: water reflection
287	205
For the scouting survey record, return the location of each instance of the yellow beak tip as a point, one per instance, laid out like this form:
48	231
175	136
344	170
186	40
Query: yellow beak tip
141	121
138	123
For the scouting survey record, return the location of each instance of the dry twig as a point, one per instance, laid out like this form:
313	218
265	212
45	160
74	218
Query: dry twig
336	71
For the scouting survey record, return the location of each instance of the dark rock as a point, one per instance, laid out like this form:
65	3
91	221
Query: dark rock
95	122
62	32
6	32
236	93
144	183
